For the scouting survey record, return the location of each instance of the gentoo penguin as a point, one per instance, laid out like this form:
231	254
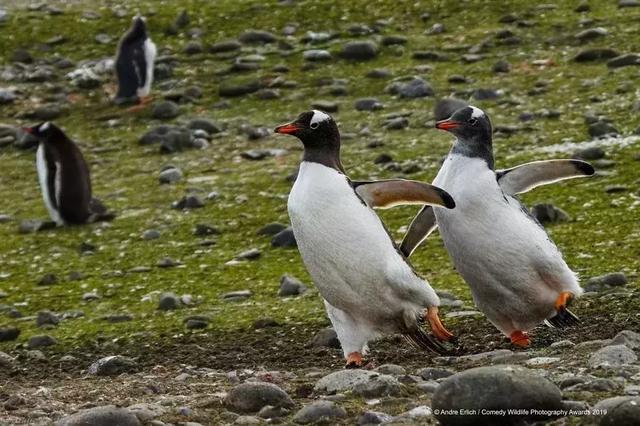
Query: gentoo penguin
64	177
134	64
368	287
517	275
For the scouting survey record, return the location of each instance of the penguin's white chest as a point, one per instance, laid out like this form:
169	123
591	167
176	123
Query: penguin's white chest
342	241
50	196
150	52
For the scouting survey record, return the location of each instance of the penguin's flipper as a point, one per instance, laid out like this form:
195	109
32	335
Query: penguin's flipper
388	193
527	176
421	227
563	319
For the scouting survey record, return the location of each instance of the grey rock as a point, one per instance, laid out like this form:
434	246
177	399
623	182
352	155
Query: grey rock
603	282
629	338
378	386
108	415
208	125
316	55
203	230
612	356
602	128
501	67
238	295
428	386
7	96
433	373
595	385
620	410
547	213
290	286
326	106
271	229
196	322
271	412
394	39
225	46
379	73
416	87
592	153
47	318
251	254
48	279
251	397
436	28
373	418
7	362
359	50
349	380
591	34
486	94
165	110
41	341
596	54
112	366
103	38
9	333
47	112
22	56
326	337
496	387
188	202
257	37
319	412
368	104
170	175
624	60
397	123
151	234
194	47
284	238
169	302
391	369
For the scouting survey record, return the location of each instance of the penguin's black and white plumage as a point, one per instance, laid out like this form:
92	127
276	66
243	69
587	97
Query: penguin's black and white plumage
64	177
517	275
368	286
134	63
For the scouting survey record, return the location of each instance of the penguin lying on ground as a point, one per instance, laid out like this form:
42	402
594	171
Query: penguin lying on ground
368	287
134	64
64	178
517	275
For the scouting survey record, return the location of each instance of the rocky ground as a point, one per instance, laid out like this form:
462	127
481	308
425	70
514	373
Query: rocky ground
193	306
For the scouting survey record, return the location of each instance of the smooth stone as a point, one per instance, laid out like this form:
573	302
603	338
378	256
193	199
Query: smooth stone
108	415
170	175
250	397
359	50
326	337
433	373
612	356
494	388
548	213
165	110
624	60
271	229
9	333
319	412
291	286
629	338
606	281
349	380
284	238
41	341
112	366
620	410
169	302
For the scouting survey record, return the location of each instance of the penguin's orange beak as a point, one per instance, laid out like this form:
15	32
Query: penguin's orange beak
288	129
447	124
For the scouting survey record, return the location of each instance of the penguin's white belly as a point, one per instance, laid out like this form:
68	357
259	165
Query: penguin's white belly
513	269
347	251
149	57
43	176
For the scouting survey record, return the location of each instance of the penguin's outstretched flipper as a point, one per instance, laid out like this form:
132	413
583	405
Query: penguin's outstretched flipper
384	194
527	176
421	227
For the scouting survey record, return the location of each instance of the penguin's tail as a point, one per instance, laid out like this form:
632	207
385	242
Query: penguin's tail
563	319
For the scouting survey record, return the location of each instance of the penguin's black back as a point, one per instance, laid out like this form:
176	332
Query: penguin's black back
74	199
131	64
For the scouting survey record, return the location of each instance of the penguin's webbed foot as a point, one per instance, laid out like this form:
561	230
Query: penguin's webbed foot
437	327
520	339
354	360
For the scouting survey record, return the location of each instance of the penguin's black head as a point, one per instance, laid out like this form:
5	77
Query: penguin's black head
46	132
319	134
468	123
316	130
138	28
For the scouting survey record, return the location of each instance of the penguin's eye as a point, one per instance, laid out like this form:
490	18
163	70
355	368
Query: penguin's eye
314	125
473	121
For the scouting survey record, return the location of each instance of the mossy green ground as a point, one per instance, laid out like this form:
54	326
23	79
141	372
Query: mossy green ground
602	237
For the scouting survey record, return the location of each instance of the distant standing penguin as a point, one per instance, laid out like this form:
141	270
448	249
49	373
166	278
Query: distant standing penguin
64	176
134	64
368	286
517	275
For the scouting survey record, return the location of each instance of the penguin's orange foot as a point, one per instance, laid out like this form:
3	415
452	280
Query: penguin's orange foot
563	300
436	325
142	104
354	360
520	338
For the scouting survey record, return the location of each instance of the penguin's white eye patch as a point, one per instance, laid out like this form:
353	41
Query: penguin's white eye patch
44	127
314	125
318	117
476	112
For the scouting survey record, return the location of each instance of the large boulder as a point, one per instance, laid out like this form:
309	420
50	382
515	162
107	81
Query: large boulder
485	390
250	397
